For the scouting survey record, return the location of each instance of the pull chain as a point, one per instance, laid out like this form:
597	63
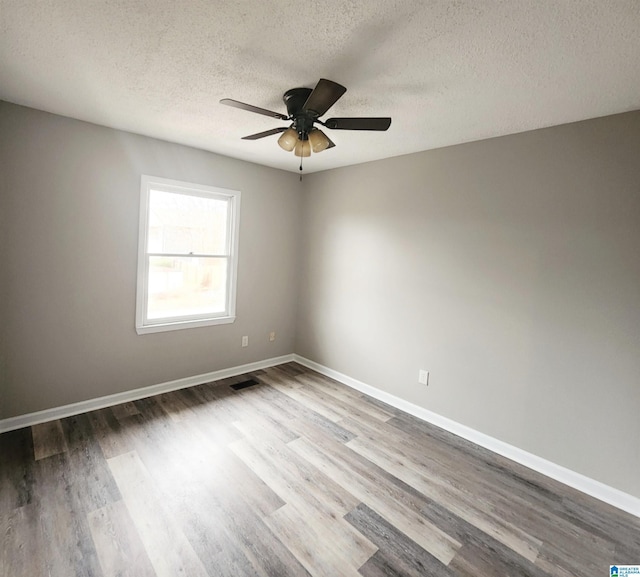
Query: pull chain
300	168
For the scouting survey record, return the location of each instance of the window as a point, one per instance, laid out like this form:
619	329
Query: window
187	255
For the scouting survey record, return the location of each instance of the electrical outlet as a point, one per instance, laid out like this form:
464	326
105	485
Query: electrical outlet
423	377
272	336
245	341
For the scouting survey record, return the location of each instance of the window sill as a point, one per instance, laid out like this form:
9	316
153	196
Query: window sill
178	325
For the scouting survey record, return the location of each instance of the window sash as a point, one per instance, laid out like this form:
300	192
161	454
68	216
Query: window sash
226	198
146	322
159	320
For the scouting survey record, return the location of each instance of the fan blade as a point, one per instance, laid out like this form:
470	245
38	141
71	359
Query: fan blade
331	143
324	96
265	133
250	108
358	123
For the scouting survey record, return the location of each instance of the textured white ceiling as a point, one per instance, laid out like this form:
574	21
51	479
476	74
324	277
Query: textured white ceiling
445	71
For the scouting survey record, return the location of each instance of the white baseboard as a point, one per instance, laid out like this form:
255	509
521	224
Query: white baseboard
578	481
582	483
30	419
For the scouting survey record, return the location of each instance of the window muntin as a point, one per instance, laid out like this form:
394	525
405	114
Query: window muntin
187	257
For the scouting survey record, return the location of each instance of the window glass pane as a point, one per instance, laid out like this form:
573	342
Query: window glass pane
181	286
183	224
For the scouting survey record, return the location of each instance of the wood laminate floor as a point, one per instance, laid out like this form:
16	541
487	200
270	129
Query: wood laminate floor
297	475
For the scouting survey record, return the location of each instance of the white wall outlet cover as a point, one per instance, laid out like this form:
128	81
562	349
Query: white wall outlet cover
423	377
245	341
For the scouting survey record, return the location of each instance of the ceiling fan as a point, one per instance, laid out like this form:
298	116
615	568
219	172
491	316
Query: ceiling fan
304	109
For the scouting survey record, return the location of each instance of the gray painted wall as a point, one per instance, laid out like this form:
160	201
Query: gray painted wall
509	268
69	205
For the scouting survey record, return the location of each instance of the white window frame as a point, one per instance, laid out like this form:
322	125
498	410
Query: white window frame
145	325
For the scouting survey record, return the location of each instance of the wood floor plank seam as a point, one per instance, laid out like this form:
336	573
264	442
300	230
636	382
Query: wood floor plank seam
296	476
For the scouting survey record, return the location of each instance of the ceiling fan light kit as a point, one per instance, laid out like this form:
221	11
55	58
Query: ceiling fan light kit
304	108
318	140
302	149
288	139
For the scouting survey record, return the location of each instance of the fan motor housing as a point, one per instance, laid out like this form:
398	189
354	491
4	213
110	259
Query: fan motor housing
303	120
294	100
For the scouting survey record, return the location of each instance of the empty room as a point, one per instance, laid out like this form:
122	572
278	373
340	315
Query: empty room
319	289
